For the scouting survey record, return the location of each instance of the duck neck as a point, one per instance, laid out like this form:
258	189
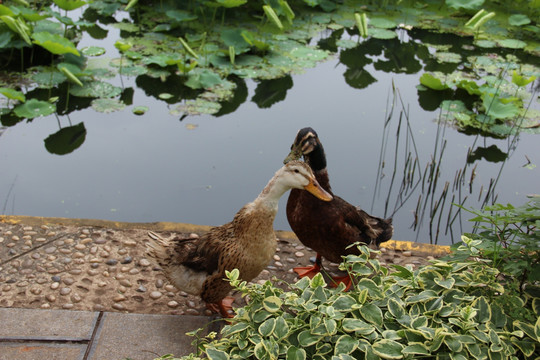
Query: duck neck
317	161
271	194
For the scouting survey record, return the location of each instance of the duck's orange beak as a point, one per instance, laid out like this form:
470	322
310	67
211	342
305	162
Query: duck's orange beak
316	189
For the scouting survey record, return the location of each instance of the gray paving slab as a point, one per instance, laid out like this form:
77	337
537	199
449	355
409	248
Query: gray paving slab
143	337
34	324
40	351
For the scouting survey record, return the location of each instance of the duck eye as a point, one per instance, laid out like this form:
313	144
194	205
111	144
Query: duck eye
296	171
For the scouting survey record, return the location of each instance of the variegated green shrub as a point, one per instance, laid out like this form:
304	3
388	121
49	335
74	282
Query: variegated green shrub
445	310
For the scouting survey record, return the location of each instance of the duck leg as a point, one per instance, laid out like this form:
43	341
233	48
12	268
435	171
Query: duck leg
310	271
223	307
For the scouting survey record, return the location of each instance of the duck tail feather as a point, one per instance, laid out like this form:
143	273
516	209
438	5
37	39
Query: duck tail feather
157	248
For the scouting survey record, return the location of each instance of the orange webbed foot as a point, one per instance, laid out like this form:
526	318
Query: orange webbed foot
346	280
224	307
309	271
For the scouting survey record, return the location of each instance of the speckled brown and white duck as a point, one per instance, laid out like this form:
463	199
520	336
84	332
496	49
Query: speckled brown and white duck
247	243
329	228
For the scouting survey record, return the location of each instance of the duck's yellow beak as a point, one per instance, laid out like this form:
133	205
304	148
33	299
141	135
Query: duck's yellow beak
316	189
295	154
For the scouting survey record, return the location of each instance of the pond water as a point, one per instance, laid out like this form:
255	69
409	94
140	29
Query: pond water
202	169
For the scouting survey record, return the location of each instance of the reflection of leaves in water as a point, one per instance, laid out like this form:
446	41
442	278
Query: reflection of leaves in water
239	97
358	78
66	140
491	154
401	58
173	84
269	92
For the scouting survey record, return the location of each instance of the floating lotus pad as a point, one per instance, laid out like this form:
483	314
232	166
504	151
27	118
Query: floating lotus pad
96	89
34	108
107	105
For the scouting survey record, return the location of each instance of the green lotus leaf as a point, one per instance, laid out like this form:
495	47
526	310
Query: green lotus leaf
511	43
97	89
307	53
196	107
432	82
465	4
55	44
107	105
165	96
231	3
498	109
48	78
66	139
519	20
202	79
34	108
448	57
140	110
487	44
69	4
13	94
93	51
382	23
180	15
346	43
382	34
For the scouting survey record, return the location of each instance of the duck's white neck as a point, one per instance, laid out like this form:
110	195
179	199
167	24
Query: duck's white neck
272	192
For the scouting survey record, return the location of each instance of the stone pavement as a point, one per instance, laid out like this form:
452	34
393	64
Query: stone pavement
83	289
32	334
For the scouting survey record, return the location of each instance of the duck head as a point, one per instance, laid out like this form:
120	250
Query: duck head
308	145
297	174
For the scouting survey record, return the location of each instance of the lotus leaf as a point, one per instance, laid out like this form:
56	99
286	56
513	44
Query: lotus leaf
97	89
107	105
519	20
511	43
346	43
382	23
93	51
202	79
13	94
66	140
307	53
34	108
196	107
180	15
465	4
55	44
69	4
382	34
448	57
48	78
140	110
432	82
231	3
498	109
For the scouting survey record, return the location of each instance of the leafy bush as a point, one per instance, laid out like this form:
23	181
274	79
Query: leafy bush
509	241
445	310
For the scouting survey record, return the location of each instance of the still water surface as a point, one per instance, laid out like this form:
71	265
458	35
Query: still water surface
202	169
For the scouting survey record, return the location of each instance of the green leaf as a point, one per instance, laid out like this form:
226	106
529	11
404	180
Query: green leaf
388	349
34	108
483	310
272	304
271	14
93	51
294	353
421	297
464	4
231	3
416	349
69	5
430	81
511	43
97	89
395	308
305	338
372	314
55	44
495	108
345	344
180	15
521	80
282	328
13	94
267	327
447	284
519	20
344	303
357	325
214	354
